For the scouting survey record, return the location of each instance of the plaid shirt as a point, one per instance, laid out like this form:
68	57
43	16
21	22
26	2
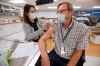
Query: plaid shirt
76	39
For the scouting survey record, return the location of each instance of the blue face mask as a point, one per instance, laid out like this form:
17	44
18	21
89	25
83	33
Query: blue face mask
61	18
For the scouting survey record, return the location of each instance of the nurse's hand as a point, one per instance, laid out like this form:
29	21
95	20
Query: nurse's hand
52	25
44	26
36	38
45	61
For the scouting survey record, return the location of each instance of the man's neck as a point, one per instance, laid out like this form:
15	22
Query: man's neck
67	23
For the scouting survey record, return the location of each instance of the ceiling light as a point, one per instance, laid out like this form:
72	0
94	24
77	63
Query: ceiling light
37	7
55	0
96	7
76	7
17	1
52	7
81	0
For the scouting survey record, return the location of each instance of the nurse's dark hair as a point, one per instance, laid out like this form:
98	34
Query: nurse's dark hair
26	11
69	6
26	17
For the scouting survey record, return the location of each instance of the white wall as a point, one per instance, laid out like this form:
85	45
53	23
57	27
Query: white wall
46	14
21	9
8	29
13	28
40	13
21	12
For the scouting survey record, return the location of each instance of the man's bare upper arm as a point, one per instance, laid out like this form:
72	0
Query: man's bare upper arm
48	34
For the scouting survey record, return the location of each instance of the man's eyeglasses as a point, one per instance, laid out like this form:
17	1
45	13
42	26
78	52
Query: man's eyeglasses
60	11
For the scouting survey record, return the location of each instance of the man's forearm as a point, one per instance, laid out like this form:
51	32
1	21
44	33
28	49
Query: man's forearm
44	56
42	46
75	57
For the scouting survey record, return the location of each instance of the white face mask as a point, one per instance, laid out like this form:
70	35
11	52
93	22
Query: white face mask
61	18
33	15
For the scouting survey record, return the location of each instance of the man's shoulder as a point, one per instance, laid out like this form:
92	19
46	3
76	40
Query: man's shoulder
56	28
80	25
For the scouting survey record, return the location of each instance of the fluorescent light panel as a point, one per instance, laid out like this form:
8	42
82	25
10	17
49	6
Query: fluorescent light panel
52	7
55	0
37	7
81	0
77	7
17	1
96	7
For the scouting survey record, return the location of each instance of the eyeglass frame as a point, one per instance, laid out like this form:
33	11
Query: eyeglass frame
60	11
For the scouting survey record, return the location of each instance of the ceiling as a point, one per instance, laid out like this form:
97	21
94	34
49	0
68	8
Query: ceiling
85	4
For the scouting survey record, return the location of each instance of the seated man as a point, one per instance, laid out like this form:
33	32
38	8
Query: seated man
70	39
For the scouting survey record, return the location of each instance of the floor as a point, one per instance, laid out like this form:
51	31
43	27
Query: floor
92	53
93	49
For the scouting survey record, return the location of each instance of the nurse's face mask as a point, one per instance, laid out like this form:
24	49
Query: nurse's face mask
33	15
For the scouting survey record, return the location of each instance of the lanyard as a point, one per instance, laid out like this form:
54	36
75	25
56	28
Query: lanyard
69	29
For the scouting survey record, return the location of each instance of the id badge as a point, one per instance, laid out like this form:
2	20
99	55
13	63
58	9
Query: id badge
62	50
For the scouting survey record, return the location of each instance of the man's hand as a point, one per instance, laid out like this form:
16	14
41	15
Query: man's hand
45	61
69	65
36	38
75	57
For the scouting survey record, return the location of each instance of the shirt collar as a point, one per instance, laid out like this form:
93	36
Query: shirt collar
71	24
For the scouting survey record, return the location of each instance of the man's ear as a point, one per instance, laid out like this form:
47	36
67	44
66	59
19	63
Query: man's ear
71	13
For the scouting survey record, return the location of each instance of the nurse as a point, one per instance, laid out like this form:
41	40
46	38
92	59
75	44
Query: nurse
33	27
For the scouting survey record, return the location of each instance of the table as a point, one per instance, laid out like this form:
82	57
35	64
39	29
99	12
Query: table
95	38
26	61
